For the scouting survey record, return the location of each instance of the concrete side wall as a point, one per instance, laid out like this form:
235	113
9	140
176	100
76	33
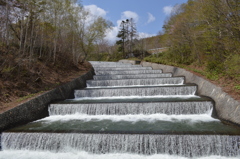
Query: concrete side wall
37	108
226	108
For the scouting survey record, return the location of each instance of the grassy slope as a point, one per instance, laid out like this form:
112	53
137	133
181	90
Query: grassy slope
228	84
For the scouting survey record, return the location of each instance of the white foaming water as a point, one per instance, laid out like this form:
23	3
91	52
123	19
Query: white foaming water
137	91
25	154
137	97
133	118
136	82
135	85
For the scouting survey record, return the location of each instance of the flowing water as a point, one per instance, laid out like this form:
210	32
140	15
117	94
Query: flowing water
123	108
124	114
138	91
136	82
128	72
138	76
121	68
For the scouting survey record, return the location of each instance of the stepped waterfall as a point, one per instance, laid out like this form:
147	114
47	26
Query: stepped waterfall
127	111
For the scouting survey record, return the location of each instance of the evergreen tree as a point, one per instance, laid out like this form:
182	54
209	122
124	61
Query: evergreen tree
126	34
122	34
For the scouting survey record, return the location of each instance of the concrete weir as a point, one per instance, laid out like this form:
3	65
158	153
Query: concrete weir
227	108
146	117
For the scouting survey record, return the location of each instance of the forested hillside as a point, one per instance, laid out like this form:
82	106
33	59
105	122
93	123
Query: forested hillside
41	35
204	34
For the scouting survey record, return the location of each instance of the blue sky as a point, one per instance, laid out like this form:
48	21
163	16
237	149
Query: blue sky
148	14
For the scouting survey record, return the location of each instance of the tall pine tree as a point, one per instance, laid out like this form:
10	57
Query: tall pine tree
126	34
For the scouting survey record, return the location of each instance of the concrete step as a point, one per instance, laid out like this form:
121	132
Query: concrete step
136	82
128	72
125	108
181	90
121	68
141	76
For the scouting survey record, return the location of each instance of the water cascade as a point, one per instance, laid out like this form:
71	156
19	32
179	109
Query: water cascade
127	111
200	107
128	72
138	91
121	68
137	82
141	76
183	145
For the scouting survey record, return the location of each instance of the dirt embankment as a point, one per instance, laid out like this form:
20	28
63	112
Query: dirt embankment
21	85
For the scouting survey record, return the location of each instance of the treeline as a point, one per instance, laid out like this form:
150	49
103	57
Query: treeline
206	33
49	30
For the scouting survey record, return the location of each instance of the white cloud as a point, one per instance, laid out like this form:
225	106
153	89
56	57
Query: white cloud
119	23
93	13
176	8
129	15
96	11
145	35
168	10
111	35
151	18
